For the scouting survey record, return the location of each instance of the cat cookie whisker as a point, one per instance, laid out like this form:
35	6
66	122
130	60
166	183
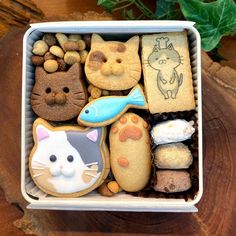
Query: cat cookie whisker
37	175
91	175
38	168
92	169
92	163
40	163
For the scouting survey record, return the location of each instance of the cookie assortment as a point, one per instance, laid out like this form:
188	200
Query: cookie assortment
107	102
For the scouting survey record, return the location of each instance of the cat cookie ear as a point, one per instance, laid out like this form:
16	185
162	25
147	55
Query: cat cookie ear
94	134
96	40
170	46
156	48
40	73
75	71
133	43
41	133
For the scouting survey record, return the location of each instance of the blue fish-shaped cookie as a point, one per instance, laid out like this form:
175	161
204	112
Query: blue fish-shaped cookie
105	110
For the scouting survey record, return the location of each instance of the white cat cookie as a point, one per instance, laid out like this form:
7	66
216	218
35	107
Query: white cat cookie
167	72
68	161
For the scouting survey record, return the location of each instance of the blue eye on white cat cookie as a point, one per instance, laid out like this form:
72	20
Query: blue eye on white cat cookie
68	160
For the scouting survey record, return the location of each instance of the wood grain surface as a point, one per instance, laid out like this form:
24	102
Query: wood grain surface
216	216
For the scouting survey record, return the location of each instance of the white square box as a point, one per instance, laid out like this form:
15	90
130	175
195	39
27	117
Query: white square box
94	201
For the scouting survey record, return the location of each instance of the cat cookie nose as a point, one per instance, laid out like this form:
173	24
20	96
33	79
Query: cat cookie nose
60	98
49	99
117	69
162	61
106	69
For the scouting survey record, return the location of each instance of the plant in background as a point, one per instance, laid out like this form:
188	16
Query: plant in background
214	19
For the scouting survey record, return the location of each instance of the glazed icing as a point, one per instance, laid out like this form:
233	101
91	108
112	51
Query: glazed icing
172	131
60	163
106	108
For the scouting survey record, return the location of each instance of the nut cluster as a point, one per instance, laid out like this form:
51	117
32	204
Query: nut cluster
96	92
56	52
109	188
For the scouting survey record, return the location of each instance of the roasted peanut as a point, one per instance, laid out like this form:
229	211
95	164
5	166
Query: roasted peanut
90	99
81	45
104	191
90	87
50	66
105	93
40	48
71	57
83	55
96	92
57	51
113	187
61	38
71	46
74	37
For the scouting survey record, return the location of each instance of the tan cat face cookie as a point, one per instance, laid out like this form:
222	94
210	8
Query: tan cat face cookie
130	152
113	65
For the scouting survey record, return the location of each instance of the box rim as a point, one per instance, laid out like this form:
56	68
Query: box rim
136	25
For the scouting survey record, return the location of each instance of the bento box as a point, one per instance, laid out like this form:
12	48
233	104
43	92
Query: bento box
93	201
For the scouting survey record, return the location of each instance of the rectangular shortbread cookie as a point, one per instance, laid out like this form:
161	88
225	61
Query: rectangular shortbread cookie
167	72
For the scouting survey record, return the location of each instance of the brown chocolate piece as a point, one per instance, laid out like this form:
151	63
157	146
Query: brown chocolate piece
37	60
50	39
170	181
62	66
49	56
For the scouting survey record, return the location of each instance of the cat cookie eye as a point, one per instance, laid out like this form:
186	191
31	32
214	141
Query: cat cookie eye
70	158
48	90
66	90
53	158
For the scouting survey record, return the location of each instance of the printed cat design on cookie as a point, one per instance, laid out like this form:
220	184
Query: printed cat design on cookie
58	96
130	152
113	65
164	58
68	161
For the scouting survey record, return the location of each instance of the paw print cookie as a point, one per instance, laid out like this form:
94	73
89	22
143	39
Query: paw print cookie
130	152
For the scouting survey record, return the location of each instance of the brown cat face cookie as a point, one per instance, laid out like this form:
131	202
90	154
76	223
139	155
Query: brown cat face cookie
113	65
58	96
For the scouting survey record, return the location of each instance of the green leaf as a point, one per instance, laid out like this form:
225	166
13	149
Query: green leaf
166	10
128	14
213	20
108	5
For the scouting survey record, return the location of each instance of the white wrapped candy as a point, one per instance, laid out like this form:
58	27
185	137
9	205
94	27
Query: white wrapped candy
172	131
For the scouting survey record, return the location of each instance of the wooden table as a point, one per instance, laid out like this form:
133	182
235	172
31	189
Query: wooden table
217	214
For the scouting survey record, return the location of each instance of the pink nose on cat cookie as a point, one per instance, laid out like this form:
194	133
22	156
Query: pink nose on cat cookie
130	152
68	161
113	65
